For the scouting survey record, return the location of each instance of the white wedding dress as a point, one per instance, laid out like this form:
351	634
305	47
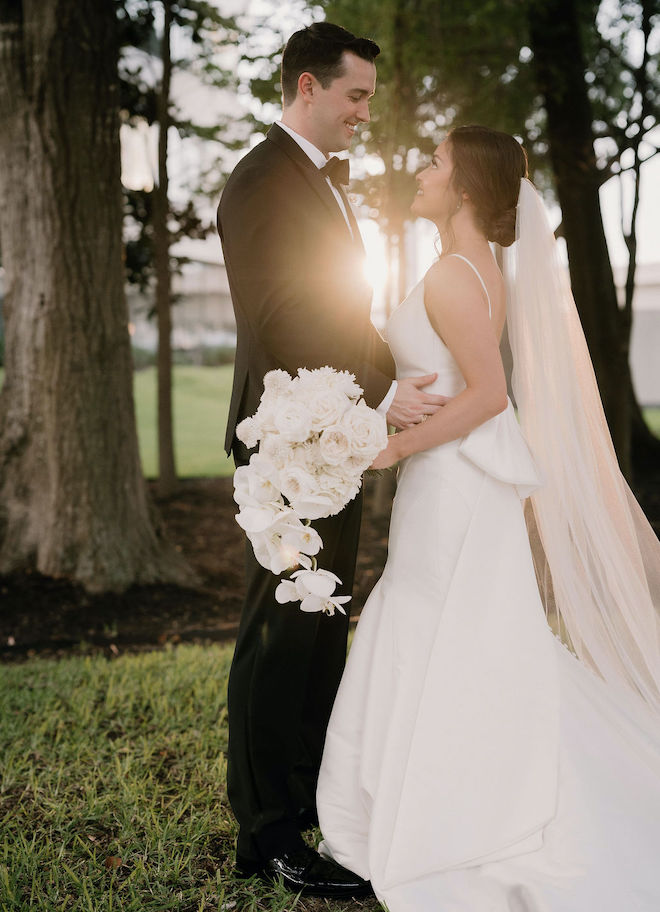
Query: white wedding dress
472	763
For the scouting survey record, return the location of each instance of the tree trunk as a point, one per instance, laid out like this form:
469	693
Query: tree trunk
559	65
166	462
72	498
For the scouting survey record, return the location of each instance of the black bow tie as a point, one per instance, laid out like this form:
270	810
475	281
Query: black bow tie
337	169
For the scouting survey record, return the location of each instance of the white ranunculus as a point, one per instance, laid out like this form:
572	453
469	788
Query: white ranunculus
277	450
293	420
347	384
366	429
335	444
277	382
327	378
249	432
265	416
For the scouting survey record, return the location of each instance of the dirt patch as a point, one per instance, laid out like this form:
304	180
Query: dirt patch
41	615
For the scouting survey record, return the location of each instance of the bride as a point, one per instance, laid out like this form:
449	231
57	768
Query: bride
474	763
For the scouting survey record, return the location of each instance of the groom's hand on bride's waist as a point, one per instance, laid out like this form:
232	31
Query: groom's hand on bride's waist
412	403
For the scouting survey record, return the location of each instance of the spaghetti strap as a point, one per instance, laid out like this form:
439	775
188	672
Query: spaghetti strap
478	275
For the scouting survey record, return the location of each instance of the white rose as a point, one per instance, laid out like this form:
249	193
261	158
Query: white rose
327	408
335	444
293	420
366	429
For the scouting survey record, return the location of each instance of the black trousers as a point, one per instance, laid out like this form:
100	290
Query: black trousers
283	681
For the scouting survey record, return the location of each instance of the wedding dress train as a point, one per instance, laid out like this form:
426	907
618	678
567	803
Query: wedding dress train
472	763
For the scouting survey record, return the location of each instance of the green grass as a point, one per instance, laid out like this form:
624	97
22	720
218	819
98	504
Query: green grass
112	788
200	405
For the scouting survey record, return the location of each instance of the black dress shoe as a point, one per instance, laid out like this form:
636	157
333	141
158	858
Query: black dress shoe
305	871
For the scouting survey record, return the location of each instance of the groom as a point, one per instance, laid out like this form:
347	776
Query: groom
294	261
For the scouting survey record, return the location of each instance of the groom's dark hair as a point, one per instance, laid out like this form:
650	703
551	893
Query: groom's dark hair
318	50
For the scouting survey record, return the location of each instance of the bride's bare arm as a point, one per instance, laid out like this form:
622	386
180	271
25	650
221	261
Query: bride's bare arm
458	310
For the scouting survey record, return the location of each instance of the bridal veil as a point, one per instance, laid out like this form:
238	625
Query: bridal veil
600	568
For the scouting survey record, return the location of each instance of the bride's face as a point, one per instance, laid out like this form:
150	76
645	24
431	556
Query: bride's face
436	199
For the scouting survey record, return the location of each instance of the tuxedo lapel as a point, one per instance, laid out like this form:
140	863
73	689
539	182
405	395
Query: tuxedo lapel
316	180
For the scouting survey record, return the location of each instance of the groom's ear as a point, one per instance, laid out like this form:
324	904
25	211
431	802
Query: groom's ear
306	85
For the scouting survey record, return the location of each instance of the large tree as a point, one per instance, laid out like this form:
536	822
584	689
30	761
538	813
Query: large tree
72	498
150	30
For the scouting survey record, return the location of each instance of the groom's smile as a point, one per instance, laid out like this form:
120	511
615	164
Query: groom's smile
336	111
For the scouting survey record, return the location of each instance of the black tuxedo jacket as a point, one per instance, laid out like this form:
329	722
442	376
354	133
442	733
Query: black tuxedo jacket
296	279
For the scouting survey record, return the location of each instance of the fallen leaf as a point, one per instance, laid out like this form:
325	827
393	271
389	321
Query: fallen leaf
112	861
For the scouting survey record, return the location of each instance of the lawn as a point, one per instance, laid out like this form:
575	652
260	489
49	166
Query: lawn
200	405
112	788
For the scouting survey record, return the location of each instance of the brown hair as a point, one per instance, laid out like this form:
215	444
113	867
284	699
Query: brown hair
488	166
319	49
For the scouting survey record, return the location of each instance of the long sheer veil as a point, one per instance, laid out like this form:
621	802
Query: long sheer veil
600	567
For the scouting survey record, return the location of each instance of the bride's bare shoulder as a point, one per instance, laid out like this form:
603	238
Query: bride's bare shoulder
448	283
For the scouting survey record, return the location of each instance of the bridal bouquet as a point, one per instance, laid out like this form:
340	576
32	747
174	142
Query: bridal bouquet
317	436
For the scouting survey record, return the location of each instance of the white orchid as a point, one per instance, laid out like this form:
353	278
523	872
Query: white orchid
316	437
314	589
256	483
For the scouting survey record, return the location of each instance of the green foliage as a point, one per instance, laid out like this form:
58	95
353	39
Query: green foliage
184	222
201	31
112	788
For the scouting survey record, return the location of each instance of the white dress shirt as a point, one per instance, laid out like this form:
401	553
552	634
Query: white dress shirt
319	159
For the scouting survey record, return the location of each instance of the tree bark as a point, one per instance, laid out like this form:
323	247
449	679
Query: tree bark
73	501
166	462
559	66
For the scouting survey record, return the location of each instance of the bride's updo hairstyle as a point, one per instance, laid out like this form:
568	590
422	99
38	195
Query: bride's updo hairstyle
488	166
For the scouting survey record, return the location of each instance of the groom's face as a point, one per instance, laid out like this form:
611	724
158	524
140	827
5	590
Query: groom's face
336	111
